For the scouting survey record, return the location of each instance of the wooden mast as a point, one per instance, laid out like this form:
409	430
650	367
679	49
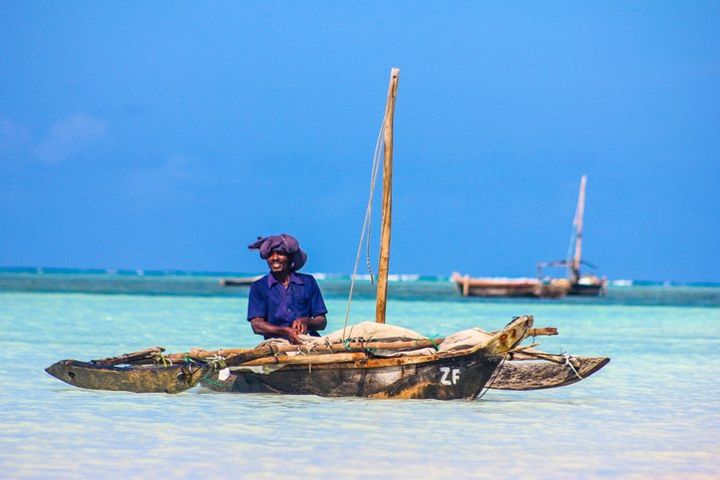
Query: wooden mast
579	212
380	306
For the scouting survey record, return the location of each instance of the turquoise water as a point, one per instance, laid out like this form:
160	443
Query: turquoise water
653	412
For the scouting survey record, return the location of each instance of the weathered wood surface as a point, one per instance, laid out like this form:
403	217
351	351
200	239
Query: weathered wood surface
241	355
538	374
394	381
236	356
457	377
138	379
542	331
355	374
130	357
444	375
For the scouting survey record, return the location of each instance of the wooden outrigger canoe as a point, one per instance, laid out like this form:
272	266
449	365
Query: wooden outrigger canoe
354	372
445	375
339	379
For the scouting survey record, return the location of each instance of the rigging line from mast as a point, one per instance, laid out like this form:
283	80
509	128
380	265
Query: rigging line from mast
379	151
571	249
365	232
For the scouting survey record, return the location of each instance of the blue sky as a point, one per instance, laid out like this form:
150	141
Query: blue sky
168	135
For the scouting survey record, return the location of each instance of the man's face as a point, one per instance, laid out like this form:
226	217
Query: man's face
278	262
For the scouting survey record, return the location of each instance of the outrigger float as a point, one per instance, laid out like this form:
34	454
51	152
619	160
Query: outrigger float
378	365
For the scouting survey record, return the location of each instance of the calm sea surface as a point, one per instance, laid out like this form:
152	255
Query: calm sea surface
653	412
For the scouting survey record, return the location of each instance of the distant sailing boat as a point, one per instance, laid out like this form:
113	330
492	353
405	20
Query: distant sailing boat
586	285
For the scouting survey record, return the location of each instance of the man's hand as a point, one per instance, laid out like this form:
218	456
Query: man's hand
292	335
300	325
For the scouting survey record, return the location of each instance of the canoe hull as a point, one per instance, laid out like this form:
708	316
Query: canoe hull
538	375
144	379
392	381
458	377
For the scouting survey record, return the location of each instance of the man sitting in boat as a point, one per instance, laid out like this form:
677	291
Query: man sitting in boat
285	303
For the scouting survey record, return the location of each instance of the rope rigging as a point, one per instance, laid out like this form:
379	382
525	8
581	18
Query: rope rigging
365	232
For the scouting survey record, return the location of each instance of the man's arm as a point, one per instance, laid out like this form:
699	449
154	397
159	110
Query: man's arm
261	327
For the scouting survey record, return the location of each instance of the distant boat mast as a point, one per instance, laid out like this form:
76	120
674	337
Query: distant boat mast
574	265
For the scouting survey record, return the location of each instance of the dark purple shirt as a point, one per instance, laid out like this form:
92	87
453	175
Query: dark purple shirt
271	301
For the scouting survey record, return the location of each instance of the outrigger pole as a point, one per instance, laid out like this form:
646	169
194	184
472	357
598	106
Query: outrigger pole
380	307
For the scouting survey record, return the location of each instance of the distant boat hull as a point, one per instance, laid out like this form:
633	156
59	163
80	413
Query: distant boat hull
490	287
239	281
578	289
589	286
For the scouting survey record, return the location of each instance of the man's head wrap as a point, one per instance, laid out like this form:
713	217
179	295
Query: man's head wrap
283	243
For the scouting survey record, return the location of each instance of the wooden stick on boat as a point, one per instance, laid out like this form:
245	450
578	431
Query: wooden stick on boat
238	354
522	348
536	355
325	358
328	350
203	355
129	357
544	331
241	355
